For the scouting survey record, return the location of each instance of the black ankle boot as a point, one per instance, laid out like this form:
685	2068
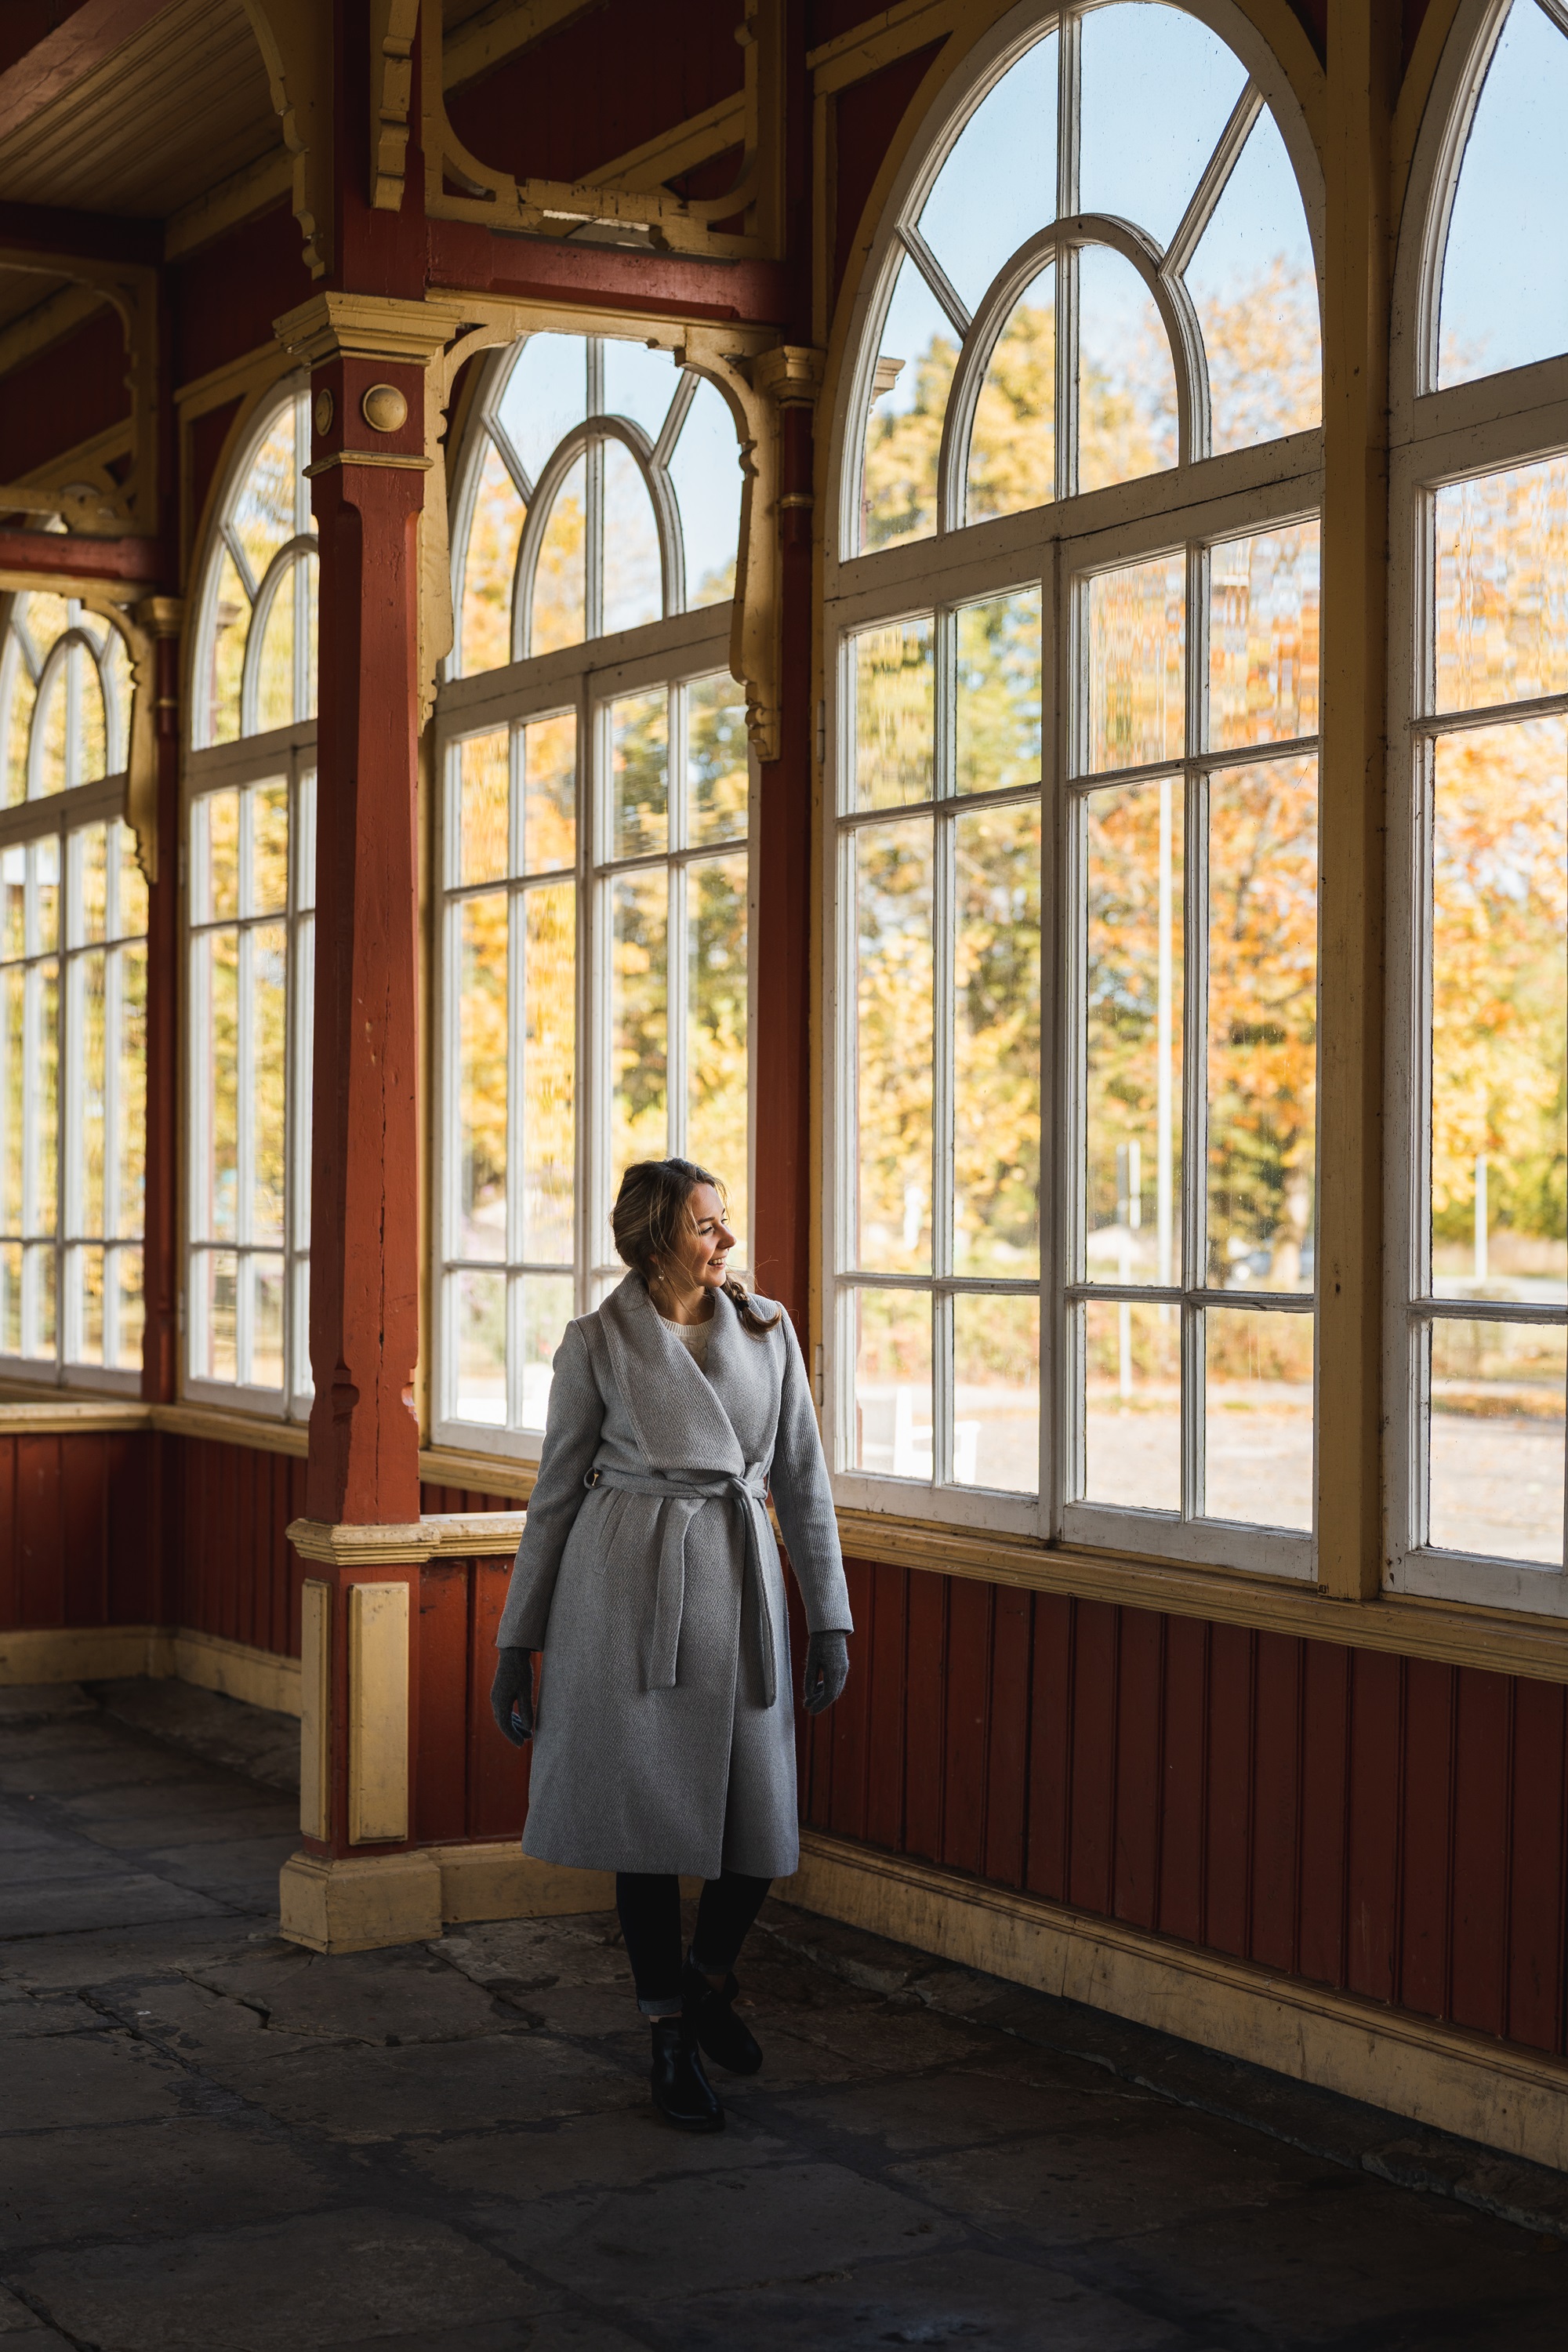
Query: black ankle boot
681	2090
712	2015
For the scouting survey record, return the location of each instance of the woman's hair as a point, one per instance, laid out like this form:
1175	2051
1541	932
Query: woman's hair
652	1213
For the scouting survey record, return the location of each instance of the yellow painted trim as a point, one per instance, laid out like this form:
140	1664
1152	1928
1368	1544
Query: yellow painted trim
491	1473
83	1653
238	198
890	34
316	1710
210	1422
259	1677
500	1880
378	1712
362	1905
59	1419
1489	2090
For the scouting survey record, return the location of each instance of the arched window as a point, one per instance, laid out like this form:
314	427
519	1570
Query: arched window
1073	630
595	997
250	816
1478	1303
73	1000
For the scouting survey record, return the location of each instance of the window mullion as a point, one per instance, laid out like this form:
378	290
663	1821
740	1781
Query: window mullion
676	1008
591	1138
1069	92
944	917
1194	1152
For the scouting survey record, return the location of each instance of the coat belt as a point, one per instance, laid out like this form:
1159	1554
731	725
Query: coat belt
682	1499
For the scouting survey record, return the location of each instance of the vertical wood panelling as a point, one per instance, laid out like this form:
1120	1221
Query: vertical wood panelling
927	1728
498	1772
1185	1790
1325	1763
1091	1795
881	1656
1135	1863
1480	1904
1376	1728
442	1664
1007	1748
1231	1742
962	1843
1051	1746
1276	1801
848	1725
1537	1884
1428	1836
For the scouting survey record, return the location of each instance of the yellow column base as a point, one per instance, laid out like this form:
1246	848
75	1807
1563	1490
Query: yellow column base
362	1903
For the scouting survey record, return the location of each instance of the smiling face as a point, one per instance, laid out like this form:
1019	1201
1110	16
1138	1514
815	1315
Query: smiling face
700	1253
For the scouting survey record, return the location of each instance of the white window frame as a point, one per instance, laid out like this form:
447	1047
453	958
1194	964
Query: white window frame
1437	437
1202	499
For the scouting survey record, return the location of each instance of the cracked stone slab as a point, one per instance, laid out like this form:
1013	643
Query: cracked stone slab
624	2150
581	1948
253	1742
400	1996
359	2094
29	1703
97	1898
963	2108
43	2013
114	1956
157	2179
93	2078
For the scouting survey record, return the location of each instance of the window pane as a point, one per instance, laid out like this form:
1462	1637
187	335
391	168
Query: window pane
1263	1025
90	753
11	1300
1254	284
44	871
130	1141
482	1076
275	673
705	474
218	858
490	567
265	510
269	805
997	694
1137	664
998	185
1132	1406
549	793
546	393
996	1393
1012	441
559	614
894	1046
1126	380
217	957
638	384
16	718
1502	602
40	1302
484	790
219	1272
270	1031
13	1099
43	1005
132	921
996	1031
480	1309
549	1072
1499	1012
639	752
51	732
718	779
910	382
14	870
892	1425
1158	89
89	847
640	1128
716	1027
1505	291
220	723
265	1322
88	1091
634	580
84	1321
1263	637
130	1311
547	1308
1133	999
894	682
1257	1417
1495	1458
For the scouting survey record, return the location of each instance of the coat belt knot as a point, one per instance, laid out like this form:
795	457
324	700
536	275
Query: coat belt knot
683	1497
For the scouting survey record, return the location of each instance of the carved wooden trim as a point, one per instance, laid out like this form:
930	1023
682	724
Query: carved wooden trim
392	28
295	39
88	499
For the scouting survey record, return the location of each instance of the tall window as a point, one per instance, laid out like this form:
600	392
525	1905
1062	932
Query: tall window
73	1003
594	1005
1479	1303
1075	864
250	790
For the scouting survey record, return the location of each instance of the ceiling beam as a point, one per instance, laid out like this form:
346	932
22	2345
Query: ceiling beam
266	181
68	556
46	323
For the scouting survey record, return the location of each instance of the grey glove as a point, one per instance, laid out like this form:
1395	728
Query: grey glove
513	1688
826	1671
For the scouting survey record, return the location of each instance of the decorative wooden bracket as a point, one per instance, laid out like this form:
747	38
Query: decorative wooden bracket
391	29
295	38
89	499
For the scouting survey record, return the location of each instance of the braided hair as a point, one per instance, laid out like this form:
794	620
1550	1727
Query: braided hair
650	1215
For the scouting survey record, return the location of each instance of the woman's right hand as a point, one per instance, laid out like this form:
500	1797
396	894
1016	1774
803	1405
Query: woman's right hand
511	1696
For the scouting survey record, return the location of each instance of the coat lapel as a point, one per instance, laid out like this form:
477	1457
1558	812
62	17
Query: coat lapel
674	1407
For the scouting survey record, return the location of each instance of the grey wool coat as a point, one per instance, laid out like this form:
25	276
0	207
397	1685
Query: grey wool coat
648	1576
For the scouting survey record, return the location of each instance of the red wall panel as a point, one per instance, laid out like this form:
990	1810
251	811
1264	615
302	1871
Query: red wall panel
78	1530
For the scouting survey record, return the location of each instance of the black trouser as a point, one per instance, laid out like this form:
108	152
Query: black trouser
649	1904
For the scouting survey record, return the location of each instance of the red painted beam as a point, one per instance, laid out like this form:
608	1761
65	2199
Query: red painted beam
69	555
54	65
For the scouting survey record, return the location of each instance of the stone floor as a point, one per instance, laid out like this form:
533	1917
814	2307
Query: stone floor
213	2142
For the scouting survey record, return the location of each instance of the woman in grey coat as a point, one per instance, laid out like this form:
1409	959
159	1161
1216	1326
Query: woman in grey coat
648	1576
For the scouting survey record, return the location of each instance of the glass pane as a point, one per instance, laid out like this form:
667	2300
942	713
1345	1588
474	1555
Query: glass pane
546	393
1505	288
1495	1458
718	769
634	579
51	729
44	874
219	722
88	913
716	1028
547	1308
894	1046
265	1322
894	686
910	382
1126	380
1132	1406
484	792
1158	89
491	566
219	1360
14	879
275	673
639	925
997	694
639	752
1255	288
132	922
11	1300
88	1086
270	1031
1503	587
1263	637
40	1277
216	893
13	1098
84	1321
549	1071
89	752
559	612
308	585
1263	1025
549	793
117	678
265	510
705	474
1257	1417
996	1393
1012	459
1137	664
305	843
129	1142
998	185
43	1008
218	961
481	1310
1499	1012
996	1043
16	718
126	1277
892	1422
482	1076
1134	1006
638	384
269	806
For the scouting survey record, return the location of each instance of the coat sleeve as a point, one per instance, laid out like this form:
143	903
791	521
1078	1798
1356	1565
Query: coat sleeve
571	1428
804	1500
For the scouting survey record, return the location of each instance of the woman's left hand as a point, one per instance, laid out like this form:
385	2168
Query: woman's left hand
826	1671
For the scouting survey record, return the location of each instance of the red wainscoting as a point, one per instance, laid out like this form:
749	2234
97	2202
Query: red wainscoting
1388	1826
79	1529
228	1507
469	1783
